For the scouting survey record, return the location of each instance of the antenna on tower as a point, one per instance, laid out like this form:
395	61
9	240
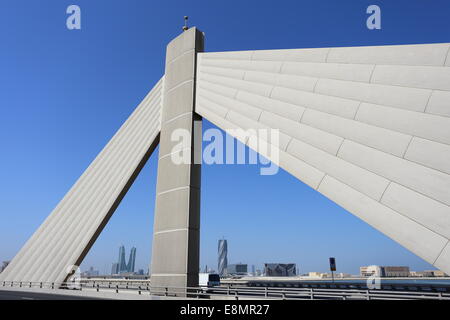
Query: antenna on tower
185	27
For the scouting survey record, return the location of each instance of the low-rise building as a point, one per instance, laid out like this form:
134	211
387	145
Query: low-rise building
434	273
237	269
280	269
384	271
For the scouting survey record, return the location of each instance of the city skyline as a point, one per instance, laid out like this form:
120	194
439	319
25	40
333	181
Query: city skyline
306	231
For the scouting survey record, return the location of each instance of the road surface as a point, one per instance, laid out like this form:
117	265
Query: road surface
23	295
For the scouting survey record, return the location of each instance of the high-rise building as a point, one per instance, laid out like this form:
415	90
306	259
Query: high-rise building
223	261
122	262
122	265
115	268
131	260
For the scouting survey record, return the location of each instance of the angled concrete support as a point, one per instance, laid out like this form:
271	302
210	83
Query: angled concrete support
175	254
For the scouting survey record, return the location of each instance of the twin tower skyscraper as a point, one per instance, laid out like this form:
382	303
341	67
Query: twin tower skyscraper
121	266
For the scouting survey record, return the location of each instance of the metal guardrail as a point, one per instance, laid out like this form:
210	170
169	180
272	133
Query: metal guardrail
232	292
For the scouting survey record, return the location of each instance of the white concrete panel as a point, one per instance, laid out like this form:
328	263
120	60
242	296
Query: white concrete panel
429	153
287	110
282	80
301	170
202	101
360	179
394	96
351	72
429	182
432	214
66	235
220	122
307	55
416	238
443	262
299	55
419	124
251	125
376	137
232	104
338	106
439	103
378	99
264	66
420	55
229	55
230	73
216	88
317	138
415	77
257	88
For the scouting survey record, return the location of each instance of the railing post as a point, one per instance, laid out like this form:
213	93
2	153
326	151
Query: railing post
20	284
53	285
368	294
311	293
40	286
166	293
98	287
30	284
117	288
266	293
228	290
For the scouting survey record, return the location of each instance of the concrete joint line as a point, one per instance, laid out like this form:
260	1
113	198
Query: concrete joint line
440	253
177	117
321	180
171	230
382	195
328	53
357	109
174	152
371	74
181	55
315	85
428	101
179	85
171	190
340	146
287	145
407	147
446	57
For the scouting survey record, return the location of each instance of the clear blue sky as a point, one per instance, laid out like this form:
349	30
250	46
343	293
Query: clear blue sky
63	94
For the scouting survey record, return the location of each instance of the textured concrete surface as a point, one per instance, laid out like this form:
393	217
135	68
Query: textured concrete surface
368	127
176	243
85	294
68	233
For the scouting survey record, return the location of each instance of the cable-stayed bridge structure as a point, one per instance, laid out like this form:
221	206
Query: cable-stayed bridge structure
367	127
